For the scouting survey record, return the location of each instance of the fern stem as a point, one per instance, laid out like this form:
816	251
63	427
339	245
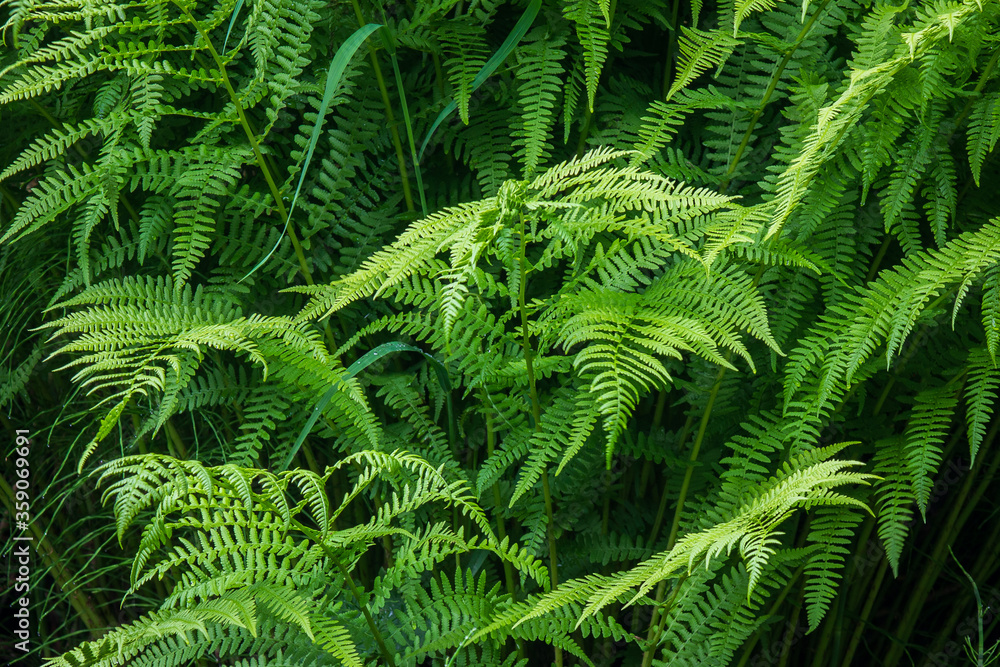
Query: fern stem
790	628
536	411
671	48
376	635
409	133
177	448
877	262
693	459
866	611
254	144
772	85
263	164
647	466
752	642
976	92
860	556
659	618
947	531
982	571
94	621
508	571
656	628
11	200
658	523
393	130
588	122
316	537
439	80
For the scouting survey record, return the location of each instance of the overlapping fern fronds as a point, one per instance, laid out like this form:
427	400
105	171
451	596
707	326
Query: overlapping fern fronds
627	346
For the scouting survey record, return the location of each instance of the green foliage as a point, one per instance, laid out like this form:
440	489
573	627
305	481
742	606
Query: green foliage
625	332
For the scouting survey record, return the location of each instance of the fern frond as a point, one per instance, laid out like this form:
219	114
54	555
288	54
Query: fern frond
698	51
594	34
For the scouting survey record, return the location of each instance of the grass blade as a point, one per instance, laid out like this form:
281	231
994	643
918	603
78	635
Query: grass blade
390	46
333	77
520	28
364	362
232	20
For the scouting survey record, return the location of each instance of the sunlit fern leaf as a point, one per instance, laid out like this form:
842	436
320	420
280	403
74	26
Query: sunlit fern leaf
411	252
697	52
886	311
809	482
539	72
336	640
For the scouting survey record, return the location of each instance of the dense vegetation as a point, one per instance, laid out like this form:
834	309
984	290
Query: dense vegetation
504	332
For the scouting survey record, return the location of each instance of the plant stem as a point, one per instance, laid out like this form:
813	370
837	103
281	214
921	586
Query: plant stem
647	466
681	441
654	628
775	78
789	637
752	642
87	613
660	618
866	611
536	411
409	134
946	534
508	571
393	130
693	459
376	635
176	443
668	66
254	144
497	500
316	537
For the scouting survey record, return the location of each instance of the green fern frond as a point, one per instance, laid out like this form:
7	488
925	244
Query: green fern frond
697	52
593	32
980	396
539	71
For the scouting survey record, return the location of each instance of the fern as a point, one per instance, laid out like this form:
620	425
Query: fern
627	351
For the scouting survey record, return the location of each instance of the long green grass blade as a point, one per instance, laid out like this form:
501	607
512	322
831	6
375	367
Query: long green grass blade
389	41
364	362
232	21
520	28
333	77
